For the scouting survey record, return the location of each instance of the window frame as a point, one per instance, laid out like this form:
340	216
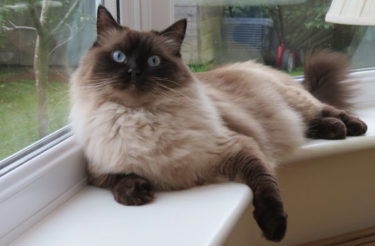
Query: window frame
32	190
29	152
146	14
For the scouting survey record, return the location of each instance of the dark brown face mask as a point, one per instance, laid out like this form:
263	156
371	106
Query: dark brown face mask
146	61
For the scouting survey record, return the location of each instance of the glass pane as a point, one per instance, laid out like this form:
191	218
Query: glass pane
277	33
40	44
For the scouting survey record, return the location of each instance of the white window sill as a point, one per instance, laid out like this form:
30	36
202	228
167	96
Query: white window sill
200	216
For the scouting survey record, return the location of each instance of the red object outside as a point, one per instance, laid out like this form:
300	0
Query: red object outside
280	50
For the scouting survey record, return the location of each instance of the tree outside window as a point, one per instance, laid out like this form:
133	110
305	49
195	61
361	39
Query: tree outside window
40	43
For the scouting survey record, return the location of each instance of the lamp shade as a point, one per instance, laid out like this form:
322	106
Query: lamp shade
353	12
238	2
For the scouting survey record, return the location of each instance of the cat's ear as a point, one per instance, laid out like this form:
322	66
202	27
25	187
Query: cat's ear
105	21
176	32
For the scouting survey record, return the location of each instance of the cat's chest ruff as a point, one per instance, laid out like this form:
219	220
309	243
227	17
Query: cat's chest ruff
120	139
137	125
145	132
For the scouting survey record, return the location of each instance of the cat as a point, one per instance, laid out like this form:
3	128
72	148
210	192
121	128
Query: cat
147	123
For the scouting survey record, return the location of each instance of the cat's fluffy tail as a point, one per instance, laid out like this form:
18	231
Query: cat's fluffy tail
325	73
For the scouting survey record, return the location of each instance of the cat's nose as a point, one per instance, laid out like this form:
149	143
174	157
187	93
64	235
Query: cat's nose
134	70
132	67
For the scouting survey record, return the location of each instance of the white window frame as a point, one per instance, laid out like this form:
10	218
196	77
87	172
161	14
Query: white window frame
147	14
30	191
43	182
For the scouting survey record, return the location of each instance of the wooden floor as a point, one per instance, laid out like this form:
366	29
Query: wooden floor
359	238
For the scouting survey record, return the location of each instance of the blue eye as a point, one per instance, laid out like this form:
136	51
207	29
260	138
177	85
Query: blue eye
118	56
153	61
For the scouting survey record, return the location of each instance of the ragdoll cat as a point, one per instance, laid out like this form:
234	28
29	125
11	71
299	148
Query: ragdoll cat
147	123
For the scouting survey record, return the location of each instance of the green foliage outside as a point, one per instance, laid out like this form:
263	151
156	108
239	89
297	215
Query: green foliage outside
48	20
302	26
18	110
33	103
298	71
303	29
201	67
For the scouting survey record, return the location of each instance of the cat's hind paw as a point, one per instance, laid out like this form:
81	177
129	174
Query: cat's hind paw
327	128
354	126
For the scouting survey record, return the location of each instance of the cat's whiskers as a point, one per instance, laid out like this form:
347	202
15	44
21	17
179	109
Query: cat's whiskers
159	81
173	91
99	83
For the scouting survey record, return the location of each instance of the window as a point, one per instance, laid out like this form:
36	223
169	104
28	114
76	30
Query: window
213	38
41	43
277	33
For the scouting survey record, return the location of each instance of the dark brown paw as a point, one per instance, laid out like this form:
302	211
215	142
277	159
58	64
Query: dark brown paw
356	127
271	219
327	128
133	190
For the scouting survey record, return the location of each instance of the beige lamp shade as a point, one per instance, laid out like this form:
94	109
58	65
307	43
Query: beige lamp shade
238	2
353	12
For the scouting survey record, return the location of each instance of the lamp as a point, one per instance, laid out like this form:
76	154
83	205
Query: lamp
244	2
357	12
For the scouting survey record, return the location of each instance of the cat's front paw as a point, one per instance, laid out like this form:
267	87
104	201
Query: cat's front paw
326	128
133	190
271	219
356	127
